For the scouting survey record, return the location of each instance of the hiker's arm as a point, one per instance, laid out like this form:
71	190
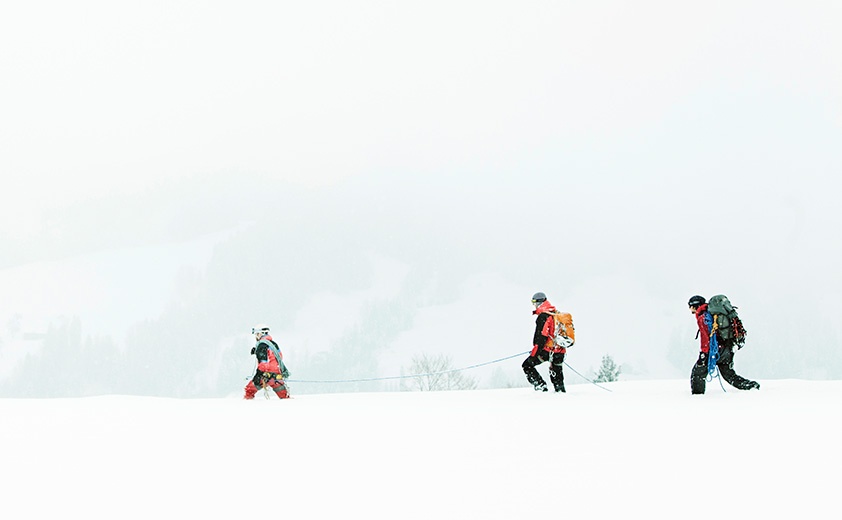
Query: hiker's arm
539	340
262	352
704	334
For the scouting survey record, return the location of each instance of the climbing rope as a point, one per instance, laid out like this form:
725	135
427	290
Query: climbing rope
713	353
585	378
718	378
325	381
402	377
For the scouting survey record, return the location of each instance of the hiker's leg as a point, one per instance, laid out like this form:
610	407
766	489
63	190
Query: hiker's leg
280	389
532	375
698	378
725	364
737	381
556	373
250	390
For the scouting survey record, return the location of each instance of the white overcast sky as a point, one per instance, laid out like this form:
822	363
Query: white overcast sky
600	151
108	99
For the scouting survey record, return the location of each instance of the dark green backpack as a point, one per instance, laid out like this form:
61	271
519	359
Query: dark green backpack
728	323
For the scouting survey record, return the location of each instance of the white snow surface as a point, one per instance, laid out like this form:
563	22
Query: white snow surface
645	448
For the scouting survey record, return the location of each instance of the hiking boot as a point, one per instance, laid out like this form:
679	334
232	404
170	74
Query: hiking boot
754	385
540	387
560	388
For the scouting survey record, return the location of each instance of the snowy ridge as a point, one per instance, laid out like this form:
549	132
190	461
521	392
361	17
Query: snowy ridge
646	447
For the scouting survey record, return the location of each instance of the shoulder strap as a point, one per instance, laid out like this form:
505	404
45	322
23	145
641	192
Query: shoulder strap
271	347
709	322
275	350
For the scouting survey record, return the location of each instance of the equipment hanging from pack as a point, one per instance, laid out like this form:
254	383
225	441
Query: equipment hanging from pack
565	333
728	323
713	345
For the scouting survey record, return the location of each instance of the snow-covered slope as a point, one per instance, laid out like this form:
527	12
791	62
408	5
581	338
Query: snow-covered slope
646	448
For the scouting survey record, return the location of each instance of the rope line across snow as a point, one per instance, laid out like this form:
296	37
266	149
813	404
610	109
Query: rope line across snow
433	374
402	377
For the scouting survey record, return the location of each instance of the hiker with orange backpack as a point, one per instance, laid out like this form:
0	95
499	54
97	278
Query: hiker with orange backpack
271	371
553	334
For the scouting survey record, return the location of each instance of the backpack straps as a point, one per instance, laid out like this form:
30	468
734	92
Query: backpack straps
275	350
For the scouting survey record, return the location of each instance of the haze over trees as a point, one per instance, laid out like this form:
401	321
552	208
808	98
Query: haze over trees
377	188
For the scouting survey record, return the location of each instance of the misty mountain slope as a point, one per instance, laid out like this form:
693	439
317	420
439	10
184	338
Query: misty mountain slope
377	182
644	447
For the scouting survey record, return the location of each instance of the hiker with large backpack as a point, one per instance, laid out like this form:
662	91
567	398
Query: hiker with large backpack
720	330
553	334
271	371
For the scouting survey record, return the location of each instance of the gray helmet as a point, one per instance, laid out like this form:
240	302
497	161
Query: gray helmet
539	297
695	301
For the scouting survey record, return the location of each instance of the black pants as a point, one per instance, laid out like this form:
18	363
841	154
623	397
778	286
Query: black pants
556	375
725	363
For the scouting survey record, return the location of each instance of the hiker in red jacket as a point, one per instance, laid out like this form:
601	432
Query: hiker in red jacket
544	348
725	362
271	370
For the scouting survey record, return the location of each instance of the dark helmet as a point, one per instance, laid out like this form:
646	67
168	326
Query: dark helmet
539	297
695	301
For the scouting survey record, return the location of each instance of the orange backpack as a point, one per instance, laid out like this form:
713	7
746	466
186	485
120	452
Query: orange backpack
565	334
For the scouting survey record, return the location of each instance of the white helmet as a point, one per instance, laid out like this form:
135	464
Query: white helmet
260	329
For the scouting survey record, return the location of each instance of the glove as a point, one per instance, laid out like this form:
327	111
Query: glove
252	351
703	359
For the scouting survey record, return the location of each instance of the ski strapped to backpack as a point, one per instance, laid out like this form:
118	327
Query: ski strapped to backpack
565	333
726	321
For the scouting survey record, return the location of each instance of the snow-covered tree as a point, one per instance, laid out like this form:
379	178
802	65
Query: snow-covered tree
608	370
437	373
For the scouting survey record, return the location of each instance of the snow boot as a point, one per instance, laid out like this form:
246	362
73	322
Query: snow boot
534	377
698	379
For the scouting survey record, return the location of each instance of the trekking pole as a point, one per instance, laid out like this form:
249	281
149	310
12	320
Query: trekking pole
253	371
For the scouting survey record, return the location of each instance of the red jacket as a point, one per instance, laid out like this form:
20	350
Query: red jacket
267	362
704	331
545	330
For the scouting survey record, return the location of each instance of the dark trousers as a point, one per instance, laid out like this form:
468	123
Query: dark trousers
556	375
725	363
